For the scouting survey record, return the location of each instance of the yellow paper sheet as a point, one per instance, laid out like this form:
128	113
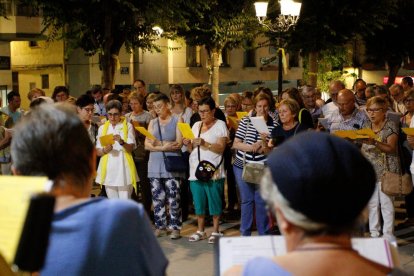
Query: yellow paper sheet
145	132
186	130
408	131
233	122
107	140
355	134
241	114
15	193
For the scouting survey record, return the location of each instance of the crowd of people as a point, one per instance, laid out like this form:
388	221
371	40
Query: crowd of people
226	145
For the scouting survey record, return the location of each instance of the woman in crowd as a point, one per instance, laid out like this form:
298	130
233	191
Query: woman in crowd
247	101
290	126
252	147
85	108
149	103
304	116
82	227
178	107
312	208
140	117
125	104
165	185
198	93
407	142
60	94
116	168
379	151
230	109
35	93
272	104
211	138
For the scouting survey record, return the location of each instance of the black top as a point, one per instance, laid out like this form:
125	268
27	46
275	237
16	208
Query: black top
279	135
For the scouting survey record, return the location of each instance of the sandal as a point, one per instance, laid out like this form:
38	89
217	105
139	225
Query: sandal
214	236
197	236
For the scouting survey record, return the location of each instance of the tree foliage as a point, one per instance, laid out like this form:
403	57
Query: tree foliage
103	26
395	43
224	24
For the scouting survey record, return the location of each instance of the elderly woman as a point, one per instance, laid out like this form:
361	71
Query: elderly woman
178	107
197	94
288	116
88	236
382	153
304	116
142	118
85	108
253	147
116	168
165	185
211	138
312	208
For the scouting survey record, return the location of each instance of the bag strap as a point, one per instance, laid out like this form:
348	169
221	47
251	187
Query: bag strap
159	130
244	141
198	149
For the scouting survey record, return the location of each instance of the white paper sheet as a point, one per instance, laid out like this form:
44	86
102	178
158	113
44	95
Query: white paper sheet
260	124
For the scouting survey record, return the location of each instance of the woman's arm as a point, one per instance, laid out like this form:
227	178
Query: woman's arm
390	146
217	147
239	145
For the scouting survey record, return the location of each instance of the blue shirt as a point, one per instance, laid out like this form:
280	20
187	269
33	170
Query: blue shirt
103	237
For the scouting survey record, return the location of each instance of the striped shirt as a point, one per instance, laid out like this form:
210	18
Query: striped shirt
247	133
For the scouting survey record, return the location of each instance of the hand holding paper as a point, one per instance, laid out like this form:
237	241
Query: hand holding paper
107	140
260	124
186	131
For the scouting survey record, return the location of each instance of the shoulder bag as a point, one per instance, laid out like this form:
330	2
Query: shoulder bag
395	184
205	169
173	163
252	172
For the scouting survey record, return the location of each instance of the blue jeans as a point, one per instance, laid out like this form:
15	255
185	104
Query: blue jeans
250	198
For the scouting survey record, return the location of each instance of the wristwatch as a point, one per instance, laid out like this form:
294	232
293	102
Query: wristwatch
122	142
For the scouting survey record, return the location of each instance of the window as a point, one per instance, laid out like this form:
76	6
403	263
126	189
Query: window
33	43
193	56
26	10
6	8
225	58
294	59
32	85
45	81
249	55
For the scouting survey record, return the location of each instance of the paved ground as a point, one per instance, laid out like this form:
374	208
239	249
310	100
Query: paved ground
197	258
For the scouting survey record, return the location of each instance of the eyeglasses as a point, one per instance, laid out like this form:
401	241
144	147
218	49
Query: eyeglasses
203	111
158	106
88	110
113	114
231	106
374	110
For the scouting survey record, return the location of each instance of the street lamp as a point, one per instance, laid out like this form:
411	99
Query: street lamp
289	16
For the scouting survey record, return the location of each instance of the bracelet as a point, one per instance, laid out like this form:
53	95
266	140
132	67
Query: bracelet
122	142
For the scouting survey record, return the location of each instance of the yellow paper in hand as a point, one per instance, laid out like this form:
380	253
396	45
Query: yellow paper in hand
107	140
367	132
241	114
233	122
145	132
408	131
350	134
186	130
15	193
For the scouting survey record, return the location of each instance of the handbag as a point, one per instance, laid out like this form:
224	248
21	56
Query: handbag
173	163
205	169
395	184
252	172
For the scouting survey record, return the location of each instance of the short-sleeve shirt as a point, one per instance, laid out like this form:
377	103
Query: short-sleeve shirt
211	136
376	156
247	133
356	121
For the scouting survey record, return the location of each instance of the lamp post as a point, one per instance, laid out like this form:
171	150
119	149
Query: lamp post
289	16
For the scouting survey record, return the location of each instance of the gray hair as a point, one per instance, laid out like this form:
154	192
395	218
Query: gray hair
52	141
271	195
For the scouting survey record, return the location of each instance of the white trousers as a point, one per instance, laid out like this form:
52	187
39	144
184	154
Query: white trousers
381	204
121	192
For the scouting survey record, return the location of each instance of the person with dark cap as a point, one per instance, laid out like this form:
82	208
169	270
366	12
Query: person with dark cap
317	205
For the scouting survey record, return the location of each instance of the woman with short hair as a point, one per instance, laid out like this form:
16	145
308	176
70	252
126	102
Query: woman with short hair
116	168
165	185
